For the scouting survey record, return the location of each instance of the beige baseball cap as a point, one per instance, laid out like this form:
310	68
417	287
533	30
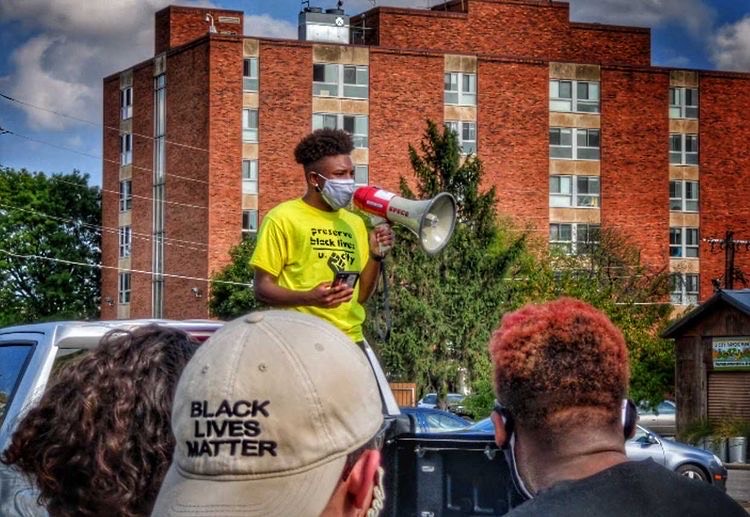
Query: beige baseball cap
264	416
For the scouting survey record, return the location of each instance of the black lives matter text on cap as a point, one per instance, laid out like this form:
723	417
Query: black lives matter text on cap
232	428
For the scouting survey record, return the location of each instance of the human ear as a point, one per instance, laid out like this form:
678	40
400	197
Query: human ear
501	433
361	480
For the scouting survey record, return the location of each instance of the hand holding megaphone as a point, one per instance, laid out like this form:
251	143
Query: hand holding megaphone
431	220
381	237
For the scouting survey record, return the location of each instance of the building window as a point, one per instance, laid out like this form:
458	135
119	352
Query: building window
574	96
683	242
683	103
250	74
574	238
123	288
332	80
460	89
249	176
683	149
684	289
562	144
249	223
683	196
355	81
126	103
361	175
126	195
250	125
466	133
126	148
126	240
355	125
574	191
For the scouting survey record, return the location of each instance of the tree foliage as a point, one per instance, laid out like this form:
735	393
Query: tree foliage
230	300
49	217
444	307
612	278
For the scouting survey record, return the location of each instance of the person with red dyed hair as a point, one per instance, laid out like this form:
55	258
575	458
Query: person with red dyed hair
561	380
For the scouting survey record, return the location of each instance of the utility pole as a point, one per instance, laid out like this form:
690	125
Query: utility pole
729	245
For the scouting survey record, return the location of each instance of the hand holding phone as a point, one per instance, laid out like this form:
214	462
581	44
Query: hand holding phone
348	278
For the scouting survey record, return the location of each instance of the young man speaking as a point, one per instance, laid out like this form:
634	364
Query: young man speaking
303	243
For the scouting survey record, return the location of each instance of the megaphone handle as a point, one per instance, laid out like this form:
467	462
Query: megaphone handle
375	221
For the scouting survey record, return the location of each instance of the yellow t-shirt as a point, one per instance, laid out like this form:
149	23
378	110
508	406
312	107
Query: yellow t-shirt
303	246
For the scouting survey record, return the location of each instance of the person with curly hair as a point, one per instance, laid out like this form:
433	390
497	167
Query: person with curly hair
99	441
304	242
561	378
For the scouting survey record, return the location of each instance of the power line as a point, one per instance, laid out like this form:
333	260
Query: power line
125	270
6	131
110	229
96	124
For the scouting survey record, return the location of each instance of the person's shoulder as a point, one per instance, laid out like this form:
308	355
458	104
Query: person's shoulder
701	496
289	209
18	494
353	219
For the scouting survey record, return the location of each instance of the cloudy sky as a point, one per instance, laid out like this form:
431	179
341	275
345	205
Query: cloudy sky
54	54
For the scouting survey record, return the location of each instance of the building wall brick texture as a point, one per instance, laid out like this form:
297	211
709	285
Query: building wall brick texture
285	116
110	206
635	160
507	28
177	25
513	42
513	140
143	163
724	171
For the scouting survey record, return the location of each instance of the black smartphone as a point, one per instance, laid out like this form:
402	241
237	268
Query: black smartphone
345	277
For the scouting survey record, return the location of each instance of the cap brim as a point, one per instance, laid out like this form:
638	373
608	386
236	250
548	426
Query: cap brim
301	494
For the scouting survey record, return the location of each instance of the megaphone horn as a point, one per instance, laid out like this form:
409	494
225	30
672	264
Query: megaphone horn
431	220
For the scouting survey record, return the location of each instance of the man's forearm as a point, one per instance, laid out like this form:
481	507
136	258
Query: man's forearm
277	296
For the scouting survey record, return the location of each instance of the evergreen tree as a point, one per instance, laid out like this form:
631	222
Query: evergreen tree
444	307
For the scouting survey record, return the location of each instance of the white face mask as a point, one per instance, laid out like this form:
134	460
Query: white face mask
337	193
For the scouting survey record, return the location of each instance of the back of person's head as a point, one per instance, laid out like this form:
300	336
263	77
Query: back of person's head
321	143
559	366
273	416
99	440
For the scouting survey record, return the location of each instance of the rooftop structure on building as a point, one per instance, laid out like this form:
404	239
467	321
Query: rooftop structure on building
576	130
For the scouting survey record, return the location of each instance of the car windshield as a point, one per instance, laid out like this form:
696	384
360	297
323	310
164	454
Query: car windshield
430	398
13	358
454	397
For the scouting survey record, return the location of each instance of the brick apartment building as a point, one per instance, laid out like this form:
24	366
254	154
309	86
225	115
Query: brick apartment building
576	130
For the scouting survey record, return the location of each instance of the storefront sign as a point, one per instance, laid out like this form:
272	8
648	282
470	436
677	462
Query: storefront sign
731	353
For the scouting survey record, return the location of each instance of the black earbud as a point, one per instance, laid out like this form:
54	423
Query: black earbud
629	418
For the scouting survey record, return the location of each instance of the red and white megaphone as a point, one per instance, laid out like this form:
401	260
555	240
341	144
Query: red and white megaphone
431	220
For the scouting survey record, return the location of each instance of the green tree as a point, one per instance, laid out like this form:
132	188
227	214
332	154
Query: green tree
611	277
45	220
444	307
229	299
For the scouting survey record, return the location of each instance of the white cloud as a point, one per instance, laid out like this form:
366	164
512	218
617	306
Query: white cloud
730	46
75	45
695	15
267	26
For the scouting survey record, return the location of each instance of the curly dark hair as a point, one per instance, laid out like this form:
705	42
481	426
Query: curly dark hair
99	442
321	143
558	364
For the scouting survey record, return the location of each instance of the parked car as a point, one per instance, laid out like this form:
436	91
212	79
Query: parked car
453	400
680	457
428	420
661	419
29	353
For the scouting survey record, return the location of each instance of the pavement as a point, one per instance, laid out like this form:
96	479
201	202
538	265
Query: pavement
738	483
